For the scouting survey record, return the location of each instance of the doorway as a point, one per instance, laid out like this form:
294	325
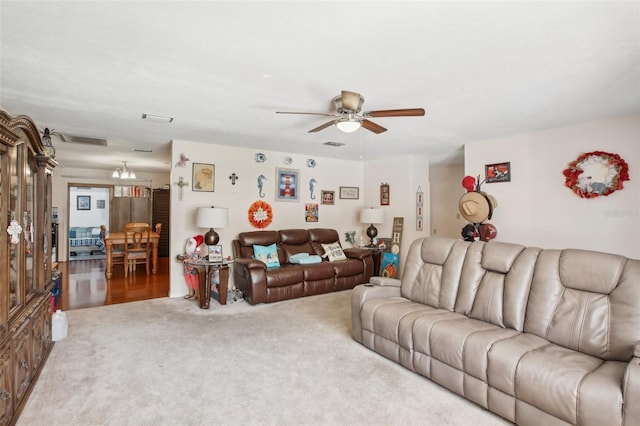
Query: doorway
89	207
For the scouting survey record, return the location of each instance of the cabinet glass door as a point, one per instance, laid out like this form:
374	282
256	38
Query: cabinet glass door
28	227
15	232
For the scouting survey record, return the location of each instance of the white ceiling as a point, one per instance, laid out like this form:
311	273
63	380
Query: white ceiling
221	69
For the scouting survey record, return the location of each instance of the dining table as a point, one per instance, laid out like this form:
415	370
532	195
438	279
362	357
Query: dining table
117	238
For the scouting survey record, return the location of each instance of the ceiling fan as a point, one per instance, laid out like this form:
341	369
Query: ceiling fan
350	117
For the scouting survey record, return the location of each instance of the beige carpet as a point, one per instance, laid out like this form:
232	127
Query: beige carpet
167	362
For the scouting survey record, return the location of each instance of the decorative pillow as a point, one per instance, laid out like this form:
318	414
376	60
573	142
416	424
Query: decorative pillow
267	254
334	252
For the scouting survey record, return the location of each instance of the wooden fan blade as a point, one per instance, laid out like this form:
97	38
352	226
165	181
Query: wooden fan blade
350	100
370	125
412	112
324	126
326	114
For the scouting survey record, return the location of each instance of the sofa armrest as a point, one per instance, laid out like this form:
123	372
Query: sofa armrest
385	281
249	263
356	253
631	390
250	276
362	293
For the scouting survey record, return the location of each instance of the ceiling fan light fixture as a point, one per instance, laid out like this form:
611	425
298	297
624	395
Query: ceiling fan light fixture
348	126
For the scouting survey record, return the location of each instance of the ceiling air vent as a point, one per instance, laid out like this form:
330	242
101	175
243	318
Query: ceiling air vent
83	140
330	143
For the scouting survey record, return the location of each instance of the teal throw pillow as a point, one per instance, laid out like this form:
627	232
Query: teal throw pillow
268	255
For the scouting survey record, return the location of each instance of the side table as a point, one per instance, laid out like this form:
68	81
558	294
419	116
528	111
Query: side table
204	280
376	254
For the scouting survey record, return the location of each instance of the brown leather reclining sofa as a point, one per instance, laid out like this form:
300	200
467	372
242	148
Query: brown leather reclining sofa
539	337
262	285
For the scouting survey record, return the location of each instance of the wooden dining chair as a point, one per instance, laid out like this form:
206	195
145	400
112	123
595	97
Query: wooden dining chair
137	246
117	252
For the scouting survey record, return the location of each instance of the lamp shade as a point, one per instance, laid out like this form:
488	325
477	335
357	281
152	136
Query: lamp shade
348	126
371	215
212	217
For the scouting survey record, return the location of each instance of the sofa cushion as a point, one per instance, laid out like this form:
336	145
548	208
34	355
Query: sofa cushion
319	236
295	241
334	252
246	241
586	301
285	276
267	254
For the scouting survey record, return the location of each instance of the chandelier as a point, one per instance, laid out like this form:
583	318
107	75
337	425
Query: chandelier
124	173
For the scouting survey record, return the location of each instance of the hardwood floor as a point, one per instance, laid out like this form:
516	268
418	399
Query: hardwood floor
84	284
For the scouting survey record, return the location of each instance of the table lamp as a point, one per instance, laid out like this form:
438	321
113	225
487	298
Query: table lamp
212	217
371	216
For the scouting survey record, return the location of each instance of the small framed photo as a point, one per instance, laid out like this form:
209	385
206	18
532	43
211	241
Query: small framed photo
349	192
84	202
203	177
498	172
384	194
215	253
100	204
287	185
328	197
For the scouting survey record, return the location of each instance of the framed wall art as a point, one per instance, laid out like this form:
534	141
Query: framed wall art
311	213
287	185
498	172
384	194
83	202
328	197
203	179
349	192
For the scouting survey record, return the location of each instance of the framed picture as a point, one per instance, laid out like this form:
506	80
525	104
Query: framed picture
311	212
287	185
100	204
498	172
349	192
215	253
203	177
84	202
384	194
328	197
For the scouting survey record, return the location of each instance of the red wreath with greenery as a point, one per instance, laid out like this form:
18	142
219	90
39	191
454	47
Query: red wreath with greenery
618	171
260	214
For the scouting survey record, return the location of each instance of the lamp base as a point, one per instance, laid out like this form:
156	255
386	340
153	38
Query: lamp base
211	238
372	232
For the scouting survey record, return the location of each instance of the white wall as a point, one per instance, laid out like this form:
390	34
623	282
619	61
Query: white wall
94	216
404	174
446	189
536	208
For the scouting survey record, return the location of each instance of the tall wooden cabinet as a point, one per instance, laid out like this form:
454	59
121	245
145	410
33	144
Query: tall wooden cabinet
25	261
130	206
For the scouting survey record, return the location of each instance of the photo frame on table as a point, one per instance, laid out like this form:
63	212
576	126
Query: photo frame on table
287	185
328	197
215	253
498	172
384	194
203	178
84	202
349	192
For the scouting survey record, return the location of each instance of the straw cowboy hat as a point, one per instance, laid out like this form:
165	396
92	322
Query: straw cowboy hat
476	207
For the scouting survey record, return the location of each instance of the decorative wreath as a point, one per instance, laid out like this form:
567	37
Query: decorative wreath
260	214
596	173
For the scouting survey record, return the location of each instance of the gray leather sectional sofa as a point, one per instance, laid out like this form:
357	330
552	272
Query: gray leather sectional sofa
539	337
